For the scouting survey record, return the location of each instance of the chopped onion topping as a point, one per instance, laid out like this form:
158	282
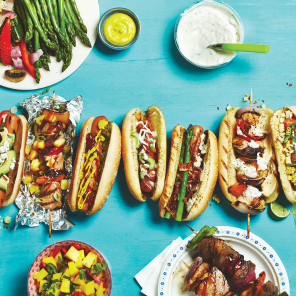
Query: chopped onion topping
18	63
34	57
16	52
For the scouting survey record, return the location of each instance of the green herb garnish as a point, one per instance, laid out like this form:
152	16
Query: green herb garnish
40	138
206	231
99	267
82	274
61	264
46	90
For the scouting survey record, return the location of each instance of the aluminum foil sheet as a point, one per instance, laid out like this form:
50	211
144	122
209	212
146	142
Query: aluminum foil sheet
30	213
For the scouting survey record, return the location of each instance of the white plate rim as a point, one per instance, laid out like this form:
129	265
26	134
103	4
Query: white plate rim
227	232
91	18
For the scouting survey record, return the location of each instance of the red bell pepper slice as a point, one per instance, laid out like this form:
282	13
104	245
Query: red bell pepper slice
95	278
25	58
43	265
5	44
56	150
64	250
2	114
55	251
75	245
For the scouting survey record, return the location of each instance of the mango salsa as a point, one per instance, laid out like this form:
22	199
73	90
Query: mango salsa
81	252
89	288
100	290
78	263
72	254
56	258
90	259
42	282
57	276
41	275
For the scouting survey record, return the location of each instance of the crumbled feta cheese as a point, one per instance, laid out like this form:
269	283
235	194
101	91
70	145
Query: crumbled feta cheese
282	120
202	146
253	144
239	131
248	171
198	161
12	165
257	131
5	147
3	157
262	163
281	139
289	114
283	115
281	127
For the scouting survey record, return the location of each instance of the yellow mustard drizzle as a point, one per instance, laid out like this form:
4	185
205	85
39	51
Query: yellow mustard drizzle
87	166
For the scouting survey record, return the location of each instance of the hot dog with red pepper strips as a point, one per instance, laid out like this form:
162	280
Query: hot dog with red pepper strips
192	173
247	171
13	137
47	177
96	165
144	152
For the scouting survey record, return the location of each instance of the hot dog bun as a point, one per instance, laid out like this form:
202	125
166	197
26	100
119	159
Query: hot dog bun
210	173
15	176
109	171
130	153
227	171
280	156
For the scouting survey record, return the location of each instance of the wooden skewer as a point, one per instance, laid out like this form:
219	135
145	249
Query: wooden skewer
186	264
249	216
49	224
192	229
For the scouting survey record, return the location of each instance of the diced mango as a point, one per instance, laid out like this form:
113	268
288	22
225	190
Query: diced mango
65	286
41	275
72	254
89	288
42	282
73	271
78	281
100	290
66	273
49	260
79	263
81	252
57	276
90	259
56	258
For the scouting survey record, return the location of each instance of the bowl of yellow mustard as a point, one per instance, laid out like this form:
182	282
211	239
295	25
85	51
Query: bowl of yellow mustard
119	28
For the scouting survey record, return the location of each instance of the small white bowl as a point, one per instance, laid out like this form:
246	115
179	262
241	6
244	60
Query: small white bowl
189	9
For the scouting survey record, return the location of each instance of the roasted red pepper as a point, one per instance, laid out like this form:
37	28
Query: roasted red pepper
3	113
5	44
25	58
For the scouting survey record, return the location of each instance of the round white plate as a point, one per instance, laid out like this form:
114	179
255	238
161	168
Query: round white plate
90	13
254	248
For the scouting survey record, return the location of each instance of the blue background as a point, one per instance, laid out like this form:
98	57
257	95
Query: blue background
130	234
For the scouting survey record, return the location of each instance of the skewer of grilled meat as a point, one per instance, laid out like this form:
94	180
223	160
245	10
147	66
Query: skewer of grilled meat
204	280
216	252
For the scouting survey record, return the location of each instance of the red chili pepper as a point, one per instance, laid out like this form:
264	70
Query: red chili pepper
64	250
3	113
25	58
5	44
43	265
55	251
76	246
56	150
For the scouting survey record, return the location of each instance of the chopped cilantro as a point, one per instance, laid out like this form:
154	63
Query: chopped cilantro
98	268
67	277
82	274
62	264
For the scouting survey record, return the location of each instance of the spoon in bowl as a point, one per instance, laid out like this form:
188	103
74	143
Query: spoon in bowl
240	47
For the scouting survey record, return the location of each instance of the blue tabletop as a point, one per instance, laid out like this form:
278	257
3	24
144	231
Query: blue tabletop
130	234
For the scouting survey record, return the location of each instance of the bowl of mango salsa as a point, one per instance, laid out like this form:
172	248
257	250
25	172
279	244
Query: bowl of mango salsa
69	268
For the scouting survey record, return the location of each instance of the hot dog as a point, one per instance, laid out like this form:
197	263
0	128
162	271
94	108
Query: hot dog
192	173
13	137
144	152
247	171
46	177
282	123
96	165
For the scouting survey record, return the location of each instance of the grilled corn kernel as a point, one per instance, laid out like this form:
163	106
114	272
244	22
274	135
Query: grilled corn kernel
39	119
288	131
290	170
28	149
293	180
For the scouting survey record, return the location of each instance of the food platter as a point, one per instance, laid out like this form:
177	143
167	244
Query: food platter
91	16
253	248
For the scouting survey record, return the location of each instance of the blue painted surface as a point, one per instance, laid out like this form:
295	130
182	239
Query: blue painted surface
131	234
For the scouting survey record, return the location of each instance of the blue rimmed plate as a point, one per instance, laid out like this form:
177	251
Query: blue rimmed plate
253	248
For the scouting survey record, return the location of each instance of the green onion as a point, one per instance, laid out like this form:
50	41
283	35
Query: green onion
151	162
42	138
136	136
142	175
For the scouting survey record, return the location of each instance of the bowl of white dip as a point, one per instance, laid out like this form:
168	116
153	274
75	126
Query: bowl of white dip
205	23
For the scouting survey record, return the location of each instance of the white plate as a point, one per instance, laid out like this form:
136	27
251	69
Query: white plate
253	248
90	13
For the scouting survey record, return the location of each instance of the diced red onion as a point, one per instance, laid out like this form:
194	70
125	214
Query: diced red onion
11	14
197	262
34	57
244	283
16	52
18	63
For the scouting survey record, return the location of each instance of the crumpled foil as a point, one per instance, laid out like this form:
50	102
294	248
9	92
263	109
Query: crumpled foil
30	213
